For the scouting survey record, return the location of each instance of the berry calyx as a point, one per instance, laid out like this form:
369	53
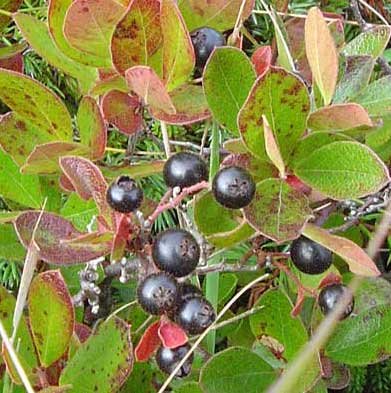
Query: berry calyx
194	314
329	297
233	187
184	170
310	257
204	40
167	360
123	195
157	294
176	251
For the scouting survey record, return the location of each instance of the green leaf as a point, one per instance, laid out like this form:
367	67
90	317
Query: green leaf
23	189
95	370
343	170
228	78
321	54
7	217
358	70
10	247
275	320
376	98
222	227
369	43
189	387
138	170
272	149
141	379
37	104
364	339
236	370
178	52
380	139
227	286
284	100
372	292
89	26
79	212
218	14
9	6
51	316
277	211
37	35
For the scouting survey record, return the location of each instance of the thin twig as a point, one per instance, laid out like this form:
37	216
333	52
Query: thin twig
118	310
238	23
374	11
205	333
224	268
15	360
166	139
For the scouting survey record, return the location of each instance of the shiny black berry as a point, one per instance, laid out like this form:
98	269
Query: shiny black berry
124	195
329	297
194	314
186	290
233	187
310	257
157	294
176	251
204	41
167	360
184	170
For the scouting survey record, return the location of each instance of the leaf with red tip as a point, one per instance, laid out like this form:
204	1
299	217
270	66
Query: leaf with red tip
88	181
171	335
178	52
51	316
262	59
357	259
92	128
89	25
190	104
123	111
82	332
296	310
148	344
330	279
137	36
121	237
147	85
44	158
51	232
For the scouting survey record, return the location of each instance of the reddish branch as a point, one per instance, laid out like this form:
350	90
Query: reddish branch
175	201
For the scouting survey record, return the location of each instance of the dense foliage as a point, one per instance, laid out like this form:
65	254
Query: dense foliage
194	196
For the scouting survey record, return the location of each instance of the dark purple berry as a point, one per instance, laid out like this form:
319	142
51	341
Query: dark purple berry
310	257
330	295
157	294
233	187
124	195
176	251
204	40
194	314
186	290
184	170
167	360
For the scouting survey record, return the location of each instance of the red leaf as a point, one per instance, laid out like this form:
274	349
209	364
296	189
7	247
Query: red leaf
262	59
123	111
331	278
297	184
148	343
147	85
88	181
171	335
121	237
14	63
299	303
65	184
82	332
51	233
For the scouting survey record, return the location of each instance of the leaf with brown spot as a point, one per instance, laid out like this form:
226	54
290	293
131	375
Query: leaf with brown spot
89	26
123	111
178	52
357	259
82	332
283	99
88	181
92	128
321	53
278	211
190	106
50	235
137	36
94	369
44	158
51	316
339	118
147	85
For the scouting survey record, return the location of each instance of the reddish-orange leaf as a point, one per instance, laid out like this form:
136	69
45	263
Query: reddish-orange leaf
148	344
262	59
171	335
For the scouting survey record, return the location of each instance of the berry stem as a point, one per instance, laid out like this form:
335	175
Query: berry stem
175	201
